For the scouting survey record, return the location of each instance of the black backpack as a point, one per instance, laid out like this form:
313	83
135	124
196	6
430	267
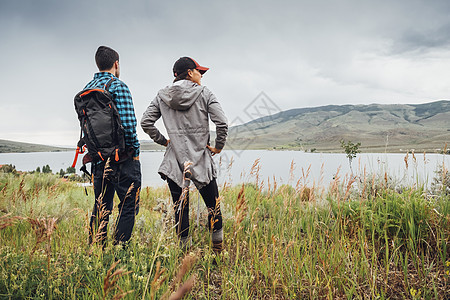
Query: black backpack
101	129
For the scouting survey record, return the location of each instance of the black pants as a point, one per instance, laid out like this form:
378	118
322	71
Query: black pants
125	179
209	193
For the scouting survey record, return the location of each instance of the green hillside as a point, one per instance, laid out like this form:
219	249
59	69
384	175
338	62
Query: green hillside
395	128
12	147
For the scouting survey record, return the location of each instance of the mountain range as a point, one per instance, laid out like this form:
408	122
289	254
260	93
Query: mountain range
378	127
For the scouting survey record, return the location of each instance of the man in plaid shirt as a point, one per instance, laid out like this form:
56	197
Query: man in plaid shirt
127	179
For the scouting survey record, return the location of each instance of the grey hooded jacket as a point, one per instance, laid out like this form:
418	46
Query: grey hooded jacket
186	108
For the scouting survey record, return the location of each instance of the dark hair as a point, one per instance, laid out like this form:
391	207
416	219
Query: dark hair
105	58
182	76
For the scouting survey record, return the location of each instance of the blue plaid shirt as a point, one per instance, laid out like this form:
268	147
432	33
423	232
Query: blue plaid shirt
122	96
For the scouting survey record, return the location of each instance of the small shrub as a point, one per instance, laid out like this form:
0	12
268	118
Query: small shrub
8	169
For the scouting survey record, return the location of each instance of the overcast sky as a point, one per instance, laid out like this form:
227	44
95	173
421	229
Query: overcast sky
299	53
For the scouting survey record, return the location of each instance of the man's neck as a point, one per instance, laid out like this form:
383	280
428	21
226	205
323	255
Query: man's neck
108	71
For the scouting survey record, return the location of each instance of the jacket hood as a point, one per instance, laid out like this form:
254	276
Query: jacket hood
181	95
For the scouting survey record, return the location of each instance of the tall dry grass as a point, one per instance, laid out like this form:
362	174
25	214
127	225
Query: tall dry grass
362	237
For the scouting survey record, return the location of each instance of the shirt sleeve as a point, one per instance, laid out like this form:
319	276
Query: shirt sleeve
150	116
218	117
125	107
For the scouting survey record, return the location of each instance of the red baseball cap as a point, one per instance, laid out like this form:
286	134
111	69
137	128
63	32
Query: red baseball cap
186	63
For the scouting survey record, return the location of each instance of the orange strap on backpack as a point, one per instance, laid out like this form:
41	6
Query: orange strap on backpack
78	151
117	155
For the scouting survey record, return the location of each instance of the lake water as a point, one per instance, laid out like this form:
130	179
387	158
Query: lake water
312	168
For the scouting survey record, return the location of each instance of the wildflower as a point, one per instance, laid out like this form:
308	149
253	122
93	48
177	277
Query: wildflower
57	292
413	292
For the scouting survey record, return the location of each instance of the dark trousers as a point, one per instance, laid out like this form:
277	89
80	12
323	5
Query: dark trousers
125	179
209	193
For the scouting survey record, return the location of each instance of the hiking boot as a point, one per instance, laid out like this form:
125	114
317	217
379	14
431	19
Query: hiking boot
217	241
217	247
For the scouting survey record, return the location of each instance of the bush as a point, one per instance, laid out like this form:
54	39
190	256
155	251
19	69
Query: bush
8	169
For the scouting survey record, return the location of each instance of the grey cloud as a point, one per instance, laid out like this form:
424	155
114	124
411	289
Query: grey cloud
416	41
299	52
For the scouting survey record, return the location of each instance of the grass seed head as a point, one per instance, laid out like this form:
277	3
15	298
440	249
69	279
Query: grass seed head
110	281
7	220
241	209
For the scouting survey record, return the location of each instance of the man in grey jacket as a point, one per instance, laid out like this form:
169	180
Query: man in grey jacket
186	107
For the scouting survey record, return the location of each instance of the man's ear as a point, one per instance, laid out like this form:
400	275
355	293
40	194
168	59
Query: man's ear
190	73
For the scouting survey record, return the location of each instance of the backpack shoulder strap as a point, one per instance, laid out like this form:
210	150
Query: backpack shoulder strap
108	84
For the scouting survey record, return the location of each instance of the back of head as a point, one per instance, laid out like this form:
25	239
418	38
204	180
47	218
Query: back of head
105	58
183	65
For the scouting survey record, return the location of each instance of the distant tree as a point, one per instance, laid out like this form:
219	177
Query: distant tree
351	150
61	173
70	170
38	170
46	169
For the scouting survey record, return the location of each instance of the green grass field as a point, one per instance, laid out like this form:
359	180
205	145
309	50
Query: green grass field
363	239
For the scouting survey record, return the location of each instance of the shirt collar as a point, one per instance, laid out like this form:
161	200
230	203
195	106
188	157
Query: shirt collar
103	74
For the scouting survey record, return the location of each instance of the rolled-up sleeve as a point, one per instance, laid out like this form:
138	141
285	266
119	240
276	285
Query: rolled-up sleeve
125	108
